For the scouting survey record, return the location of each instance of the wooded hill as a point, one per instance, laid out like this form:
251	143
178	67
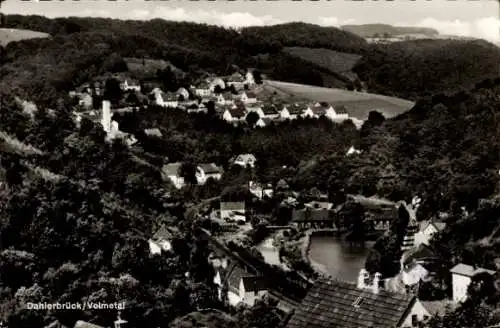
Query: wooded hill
81	45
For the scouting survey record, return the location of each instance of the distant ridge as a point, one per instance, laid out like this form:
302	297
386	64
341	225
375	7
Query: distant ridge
371	30
8	35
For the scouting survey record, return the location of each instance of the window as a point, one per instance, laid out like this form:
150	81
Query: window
357	302
414	320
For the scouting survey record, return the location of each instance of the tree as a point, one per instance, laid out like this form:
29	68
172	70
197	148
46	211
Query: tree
188	172
218	89
112	90
352	216
252	118
257	76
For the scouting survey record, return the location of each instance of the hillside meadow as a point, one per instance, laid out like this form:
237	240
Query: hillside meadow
8	35
357	104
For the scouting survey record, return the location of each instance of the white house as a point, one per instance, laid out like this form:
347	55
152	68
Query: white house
237	80
203	89
216	82
427	231
260	123
259	190
293	111
234	114
245	160
414	273
309	113
106	116
249	79
165	99
171	171
184	93
248	97
242	287
234	211
339	113
161	241
208	171
225	98
352	151
365	304
461	277
130	84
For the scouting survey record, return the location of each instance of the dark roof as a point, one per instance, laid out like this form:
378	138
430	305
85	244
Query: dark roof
237	111
296	108
282	184
254	283
210	168
235	275
270	109
309	214
419	254
171	169
251	94
330	304
340	109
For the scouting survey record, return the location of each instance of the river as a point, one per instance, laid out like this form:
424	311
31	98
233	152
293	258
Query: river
340	259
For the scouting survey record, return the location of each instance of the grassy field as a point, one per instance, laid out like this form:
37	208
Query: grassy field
8	35
333	61
148	68
357	104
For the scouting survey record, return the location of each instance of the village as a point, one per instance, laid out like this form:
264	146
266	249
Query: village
367	300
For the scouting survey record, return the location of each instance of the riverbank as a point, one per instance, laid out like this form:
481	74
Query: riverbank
319	268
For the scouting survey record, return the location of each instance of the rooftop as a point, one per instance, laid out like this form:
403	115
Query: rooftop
210	168
232	206
309	214
171	169
338	304
469	270
254	283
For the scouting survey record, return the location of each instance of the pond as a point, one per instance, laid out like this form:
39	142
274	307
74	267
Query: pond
340	259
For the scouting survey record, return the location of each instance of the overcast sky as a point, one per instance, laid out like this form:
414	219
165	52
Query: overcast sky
463	17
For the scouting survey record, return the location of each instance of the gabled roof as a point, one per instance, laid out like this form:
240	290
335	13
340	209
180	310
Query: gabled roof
420	254
254	283
171	169
440	226
297	108
237	112
245	158
210	168
469	270
340	109
251	95
153	132
269	109
232	206
235	276
282	184
163	234
331	304
236	77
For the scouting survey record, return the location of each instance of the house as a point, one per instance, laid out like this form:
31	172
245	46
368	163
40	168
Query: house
203	89
165	99
234	211
427	231
293	111
260	190
461	277
171	171
352	151
130	84
225	98
245	160
414	273
249	79
161	241
217	81
154	132
269	111
337	113
237	80
334	303
315	218
262	122
248	97
234	114
208	171
308	112
239	286
282	185
184	93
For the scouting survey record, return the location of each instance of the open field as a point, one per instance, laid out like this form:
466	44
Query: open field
8	35
333	61
357	104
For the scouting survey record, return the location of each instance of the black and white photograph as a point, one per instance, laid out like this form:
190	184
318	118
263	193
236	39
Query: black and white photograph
249	164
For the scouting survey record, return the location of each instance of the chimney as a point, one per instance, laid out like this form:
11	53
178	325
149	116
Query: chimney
106	115
376	283
363	274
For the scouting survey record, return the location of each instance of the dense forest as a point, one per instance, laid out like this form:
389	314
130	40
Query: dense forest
425	66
